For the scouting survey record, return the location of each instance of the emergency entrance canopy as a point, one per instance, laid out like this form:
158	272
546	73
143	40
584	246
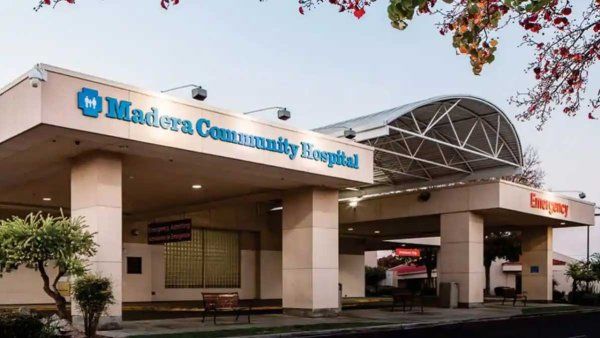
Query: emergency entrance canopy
439	140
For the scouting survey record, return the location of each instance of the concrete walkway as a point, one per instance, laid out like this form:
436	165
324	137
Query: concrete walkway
376	317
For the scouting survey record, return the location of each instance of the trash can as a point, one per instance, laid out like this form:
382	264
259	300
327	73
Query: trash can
449	295
340	297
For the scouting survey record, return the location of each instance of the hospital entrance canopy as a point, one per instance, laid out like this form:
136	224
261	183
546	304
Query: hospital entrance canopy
439	140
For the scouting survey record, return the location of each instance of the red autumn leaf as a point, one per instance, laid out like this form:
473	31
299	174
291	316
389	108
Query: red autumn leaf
359	12
47	2
591	116
164	4
301	10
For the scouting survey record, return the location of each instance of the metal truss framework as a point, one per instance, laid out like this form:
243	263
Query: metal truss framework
451	140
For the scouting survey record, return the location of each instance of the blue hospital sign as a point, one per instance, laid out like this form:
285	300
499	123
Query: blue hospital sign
90	103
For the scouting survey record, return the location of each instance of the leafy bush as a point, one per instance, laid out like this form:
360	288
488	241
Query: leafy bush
44	242
374	275
20	325
93	295
558	296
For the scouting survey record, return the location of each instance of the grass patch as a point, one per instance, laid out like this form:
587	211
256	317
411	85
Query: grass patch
262	330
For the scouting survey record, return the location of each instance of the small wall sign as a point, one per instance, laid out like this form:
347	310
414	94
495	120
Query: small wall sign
169	232
534	269
407	252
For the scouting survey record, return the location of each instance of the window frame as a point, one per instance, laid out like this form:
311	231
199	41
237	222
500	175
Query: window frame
202	285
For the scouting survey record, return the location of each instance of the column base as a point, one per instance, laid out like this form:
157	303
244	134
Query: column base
469	305
312	313
106	323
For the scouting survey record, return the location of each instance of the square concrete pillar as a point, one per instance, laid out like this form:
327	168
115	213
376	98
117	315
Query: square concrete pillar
310	252
460	258
96	184
536	262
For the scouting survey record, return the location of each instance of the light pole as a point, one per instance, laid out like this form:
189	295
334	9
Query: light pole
582	195
282	112
588	236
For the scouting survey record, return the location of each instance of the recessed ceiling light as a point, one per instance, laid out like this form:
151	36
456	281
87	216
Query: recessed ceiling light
350	229
376	231
47	199
562	223
196	186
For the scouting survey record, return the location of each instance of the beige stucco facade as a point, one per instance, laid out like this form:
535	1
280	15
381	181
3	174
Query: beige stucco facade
279	188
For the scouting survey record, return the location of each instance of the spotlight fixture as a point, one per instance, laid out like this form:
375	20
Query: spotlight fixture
376	232
197	186
349	133
581	195
198	93
47	199
282	113
350	229
354	202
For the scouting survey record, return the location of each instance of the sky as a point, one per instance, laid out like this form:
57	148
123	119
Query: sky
323	66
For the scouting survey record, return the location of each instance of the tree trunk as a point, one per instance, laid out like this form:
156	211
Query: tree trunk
487	279
52	291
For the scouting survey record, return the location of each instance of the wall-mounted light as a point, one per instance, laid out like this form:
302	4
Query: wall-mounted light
581	194
197	186
349	133
198	93
354	202
282	113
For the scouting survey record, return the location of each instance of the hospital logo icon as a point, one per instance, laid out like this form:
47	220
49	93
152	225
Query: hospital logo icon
89	102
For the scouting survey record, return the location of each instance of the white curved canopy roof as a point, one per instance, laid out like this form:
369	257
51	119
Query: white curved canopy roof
437	140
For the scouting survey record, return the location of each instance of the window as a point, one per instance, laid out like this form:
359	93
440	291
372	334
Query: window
210	260
134	265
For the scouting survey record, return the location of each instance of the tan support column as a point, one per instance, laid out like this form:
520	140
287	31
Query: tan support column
310	252
461	256
536	262
96	183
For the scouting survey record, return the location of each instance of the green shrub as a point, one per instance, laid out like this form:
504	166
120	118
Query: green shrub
93	295
18	325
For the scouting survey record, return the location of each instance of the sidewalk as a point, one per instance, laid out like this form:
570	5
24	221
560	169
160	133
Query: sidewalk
351	318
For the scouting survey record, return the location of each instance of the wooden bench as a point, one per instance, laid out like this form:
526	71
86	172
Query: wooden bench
511	293
404	297
215	302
